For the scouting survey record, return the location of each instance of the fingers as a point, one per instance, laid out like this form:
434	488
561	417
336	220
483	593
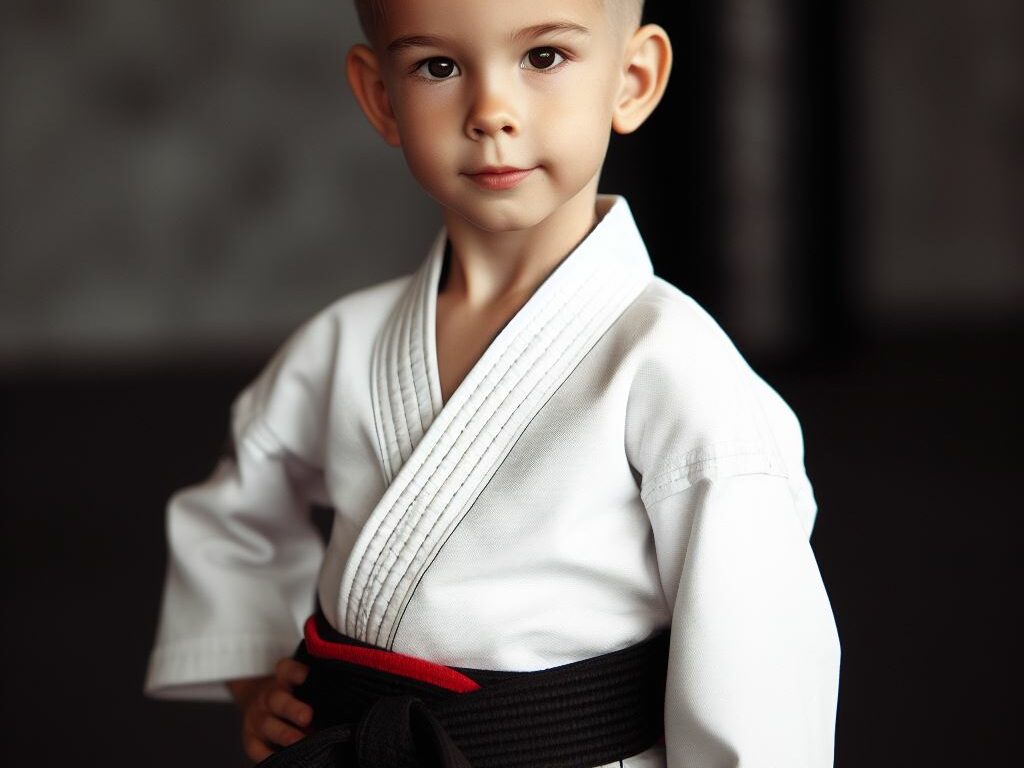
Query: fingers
287	707
277	731
262	732
273	717
255	749
289	673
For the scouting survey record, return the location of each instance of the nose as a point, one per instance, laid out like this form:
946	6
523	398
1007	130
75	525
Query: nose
491	112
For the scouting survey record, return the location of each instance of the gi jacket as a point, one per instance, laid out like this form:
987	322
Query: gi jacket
610	466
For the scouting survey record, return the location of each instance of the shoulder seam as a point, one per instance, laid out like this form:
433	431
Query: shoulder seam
709	462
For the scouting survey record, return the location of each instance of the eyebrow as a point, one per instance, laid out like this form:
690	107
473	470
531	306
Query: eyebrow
529	33
526	33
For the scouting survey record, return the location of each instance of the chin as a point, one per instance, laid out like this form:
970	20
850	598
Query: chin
501	215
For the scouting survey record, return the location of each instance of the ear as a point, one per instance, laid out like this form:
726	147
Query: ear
367	82
646	66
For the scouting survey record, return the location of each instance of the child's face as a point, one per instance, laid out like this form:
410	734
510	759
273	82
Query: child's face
474	84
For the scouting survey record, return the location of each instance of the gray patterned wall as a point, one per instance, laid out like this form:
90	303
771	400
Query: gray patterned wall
942	129
186	176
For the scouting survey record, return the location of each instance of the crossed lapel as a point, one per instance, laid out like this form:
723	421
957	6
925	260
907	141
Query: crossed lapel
437	459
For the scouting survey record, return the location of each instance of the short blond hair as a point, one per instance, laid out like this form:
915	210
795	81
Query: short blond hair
372	12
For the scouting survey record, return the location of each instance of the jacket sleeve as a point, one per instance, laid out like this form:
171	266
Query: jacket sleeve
243	552
754	659
754	656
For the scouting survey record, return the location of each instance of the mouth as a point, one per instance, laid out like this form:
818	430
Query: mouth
500	177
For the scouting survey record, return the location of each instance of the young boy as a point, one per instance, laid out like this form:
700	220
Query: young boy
539	453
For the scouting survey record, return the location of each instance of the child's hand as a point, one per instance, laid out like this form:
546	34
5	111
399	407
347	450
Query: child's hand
271	716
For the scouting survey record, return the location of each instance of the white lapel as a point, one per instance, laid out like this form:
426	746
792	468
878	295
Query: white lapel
405	388
438	459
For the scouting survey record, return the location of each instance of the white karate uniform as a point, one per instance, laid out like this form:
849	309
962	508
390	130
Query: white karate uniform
610	466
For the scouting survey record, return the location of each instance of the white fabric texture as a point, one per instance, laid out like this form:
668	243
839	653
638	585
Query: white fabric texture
611	466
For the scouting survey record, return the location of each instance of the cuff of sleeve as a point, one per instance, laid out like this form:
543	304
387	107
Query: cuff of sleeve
197	669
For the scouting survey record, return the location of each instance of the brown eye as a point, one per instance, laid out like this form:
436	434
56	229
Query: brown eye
440	69
544	58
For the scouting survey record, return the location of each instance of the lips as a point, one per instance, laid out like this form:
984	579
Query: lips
500	177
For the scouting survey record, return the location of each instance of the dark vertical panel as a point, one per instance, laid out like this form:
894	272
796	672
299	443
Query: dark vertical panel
755	37
666	168
823	173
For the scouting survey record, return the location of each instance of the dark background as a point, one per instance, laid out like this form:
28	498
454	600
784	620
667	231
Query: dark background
840	184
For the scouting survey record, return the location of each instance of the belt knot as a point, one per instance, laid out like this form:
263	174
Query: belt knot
396	732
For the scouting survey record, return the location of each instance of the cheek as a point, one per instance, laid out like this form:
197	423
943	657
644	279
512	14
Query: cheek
427	163
425	120
577	126
427	147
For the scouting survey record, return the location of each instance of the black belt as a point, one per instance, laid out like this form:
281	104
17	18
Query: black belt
374	708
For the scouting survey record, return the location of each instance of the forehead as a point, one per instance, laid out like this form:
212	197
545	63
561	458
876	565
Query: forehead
489	20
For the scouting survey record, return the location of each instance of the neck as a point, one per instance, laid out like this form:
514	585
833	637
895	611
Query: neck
491	268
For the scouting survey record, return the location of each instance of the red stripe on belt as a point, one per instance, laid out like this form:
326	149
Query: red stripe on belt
388	661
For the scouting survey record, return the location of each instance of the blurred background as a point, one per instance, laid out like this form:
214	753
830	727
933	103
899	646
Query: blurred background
183	182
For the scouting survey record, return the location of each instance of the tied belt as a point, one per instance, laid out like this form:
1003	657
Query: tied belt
374	708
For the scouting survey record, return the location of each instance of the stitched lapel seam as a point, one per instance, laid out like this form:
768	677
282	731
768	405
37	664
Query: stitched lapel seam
431	542
466	414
